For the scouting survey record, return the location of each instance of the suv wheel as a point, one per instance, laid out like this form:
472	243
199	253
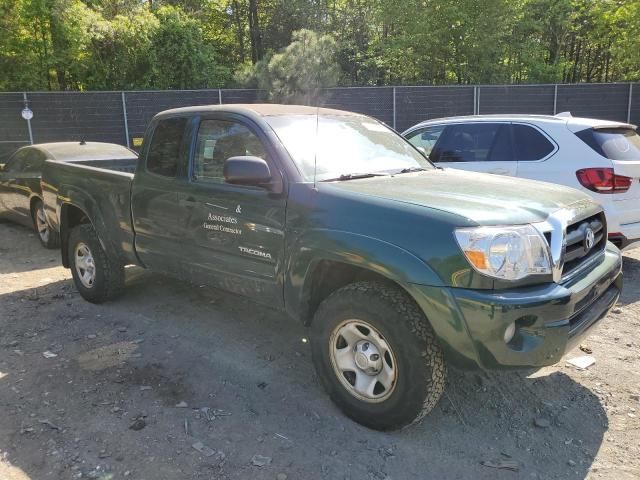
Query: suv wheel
97	277
48	238
377	355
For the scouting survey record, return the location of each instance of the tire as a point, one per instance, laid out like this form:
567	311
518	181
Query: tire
400	335
48	238
98	278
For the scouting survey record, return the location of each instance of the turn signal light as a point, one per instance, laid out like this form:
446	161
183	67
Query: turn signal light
603	180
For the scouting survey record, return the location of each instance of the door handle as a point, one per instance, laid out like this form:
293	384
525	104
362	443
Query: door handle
187	202
499	171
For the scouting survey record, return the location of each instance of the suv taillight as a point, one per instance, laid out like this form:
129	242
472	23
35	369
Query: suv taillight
603	180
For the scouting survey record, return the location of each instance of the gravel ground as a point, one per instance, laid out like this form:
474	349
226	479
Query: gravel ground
175	381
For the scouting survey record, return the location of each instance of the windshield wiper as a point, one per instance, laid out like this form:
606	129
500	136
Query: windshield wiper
355	176
412	169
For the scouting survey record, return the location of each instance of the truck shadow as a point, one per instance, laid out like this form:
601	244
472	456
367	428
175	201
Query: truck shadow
631	288
33	256
252	368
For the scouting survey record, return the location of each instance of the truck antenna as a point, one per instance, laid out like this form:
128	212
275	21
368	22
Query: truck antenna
315	150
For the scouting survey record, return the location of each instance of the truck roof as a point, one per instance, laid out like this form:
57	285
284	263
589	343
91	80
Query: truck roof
77	151
259	109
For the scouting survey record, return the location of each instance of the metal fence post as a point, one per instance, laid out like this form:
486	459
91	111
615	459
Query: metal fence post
629	103
478	99
475	100
394	108
220	96
26	104
555	99
126	122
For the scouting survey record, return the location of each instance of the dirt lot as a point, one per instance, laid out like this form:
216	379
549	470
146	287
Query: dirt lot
134	384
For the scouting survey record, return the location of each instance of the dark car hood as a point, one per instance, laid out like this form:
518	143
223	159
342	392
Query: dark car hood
483	198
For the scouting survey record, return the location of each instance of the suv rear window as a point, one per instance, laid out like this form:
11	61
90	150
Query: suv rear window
613	143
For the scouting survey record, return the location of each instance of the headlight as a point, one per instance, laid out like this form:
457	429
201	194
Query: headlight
510	253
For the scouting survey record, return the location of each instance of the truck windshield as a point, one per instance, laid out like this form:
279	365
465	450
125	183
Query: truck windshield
345	146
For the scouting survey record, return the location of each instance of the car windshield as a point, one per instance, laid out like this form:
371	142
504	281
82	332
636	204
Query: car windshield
346	146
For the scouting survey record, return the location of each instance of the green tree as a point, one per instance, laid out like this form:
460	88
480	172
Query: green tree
299	72
180	56
120	51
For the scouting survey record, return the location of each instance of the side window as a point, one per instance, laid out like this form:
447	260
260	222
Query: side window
530	144
219	140
502	150
33	162
472	142
425	138
17	161
164	150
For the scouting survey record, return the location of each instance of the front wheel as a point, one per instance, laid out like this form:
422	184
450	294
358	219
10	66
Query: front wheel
48	238
97	277
377	355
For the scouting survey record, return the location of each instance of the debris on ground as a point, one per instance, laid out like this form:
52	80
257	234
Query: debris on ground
49	424
260	461
49	354
203	449
541	422
502	464
583	362
182	404
138	424
586	349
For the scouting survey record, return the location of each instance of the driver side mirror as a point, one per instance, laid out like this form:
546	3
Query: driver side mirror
247	170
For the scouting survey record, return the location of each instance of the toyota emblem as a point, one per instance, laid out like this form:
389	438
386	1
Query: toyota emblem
589	239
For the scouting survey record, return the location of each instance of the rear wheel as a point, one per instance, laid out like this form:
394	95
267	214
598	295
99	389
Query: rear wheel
48	238
97	277
377	355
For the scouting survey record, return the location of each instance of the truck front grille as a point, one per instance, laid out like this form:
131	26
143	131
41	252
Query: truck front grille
584	239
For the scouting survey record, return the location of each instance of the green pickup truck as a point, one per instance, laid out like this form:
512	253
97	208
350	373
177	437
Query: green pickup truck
397	267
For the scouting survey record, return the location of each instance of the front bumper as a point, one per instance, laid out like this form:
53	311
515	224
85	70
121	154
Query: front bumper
550	319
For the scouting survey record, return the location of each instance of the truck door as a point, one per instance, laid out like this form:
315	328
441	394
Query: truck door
154	198
234	236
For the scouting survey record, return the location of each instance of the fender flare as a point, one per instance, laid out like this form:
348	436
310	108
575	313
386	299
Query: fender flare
83	201
368	253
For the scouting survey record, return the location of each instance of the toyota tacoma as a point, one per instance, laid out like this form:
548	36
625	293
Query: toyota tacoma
397	267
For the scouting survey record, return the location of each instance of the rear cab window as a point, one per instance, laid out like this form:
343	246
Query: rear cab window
618	144
165	147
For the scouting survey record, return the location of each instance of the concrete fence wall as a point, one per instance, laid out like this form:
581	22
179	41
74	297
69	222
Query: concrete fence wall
121	117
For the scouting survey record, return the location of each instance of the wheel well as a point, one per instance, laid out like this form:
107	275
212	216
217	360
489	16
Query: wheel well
32	203
70	217
329	276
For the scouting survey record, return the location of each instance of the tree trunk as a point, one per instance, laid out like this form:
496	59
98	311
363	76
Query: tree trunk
254	32
237	20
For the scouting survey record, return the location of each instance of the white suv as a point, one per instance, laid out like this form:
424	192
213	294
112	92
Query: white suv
599	157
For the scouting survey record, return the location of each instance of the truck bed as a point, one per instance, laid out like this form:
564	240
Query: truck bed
99	188
126	165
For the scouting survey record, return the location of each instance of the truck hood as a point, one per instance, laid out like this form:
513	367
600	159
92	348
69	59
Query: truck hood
481	198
